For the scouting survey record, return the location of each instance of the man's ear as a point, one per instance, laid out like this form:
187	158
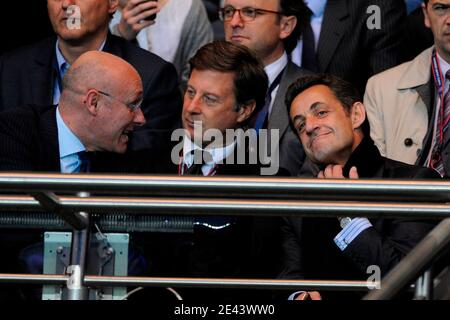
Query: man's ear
91	101
246	111
113	6
287	26
358	114
425	14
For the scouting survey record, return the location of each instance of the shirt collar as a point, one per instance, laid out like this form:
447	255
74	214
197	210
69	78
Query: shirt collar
445	66
60	58
217	154
68	142
274	69
317	7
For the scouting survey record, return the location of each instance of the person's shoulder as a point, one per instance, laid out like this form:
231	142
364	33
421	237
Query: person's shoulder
38	49
294	72
136	55
407	171
27	112
419	66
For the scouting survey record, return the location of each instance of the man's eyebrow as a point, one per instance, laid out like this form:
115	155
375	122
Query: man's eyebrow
298	117
313	107
445	5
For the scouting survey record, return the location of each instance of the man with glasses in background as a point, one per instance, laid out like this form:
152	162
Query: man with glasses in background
271	28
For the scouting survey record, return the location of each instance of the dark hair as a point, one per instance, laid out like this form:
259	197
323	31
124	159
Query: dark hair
250	80
344	91
298	9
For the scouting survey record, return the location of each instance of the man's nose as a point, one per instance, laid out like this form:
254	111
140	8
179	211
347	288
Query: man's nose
139	118
67	3
310	125
193	105
236	20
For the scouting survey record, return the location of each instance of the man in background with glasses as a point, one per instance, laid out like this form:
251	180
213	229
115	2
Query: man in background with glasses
271	28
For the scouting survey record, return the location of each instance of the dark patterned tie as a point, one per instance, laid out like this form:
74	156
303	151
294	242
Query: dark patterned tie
436	161
309	58
196	168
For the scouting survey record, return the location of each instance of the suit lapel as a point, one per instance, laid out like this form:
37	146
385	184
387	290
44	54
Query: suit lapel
111	46
279	118
334	26
42	75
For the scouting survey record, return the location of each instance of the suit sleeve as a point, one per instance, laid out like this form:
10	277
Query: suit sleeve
386	247
17	150
291	249
385	39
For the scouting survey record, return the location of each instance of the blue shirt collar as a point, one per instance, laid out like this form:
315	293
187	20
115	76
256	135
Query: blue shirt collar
68	142
317	7
61	60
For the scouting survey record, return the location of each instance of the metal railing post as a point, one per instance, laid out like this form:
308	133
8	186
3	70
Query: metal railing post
414	263
76	289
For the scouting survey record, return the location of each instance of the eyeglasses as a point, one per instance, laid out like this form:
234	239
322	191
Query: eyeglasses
247	13
131	106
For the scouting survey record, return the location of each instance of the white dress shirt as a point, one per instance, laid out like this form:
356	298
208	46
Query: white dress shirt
217	156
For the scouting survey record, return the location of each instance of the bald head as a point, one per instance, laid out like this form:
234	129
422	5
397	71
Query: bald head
99	101
97	69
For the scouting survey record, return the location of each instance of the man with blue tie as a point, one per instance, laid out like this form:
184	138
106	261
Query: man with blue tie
98	110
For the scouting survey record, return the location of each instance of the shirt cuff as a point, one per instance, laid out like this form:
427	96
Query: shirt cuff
295	295
351	231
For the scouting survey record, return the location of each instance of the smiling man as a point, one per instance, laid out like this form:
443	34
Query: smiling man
329	118
33	74
93	114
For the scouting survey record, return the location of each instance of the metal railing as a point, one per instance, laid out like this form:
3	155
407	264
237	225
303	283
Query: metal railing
170	195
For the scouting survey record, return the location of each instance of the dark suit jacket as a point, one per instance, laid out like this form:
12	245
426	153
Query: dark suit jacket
349	49
248	248
27	77
308	247
290	149
29	142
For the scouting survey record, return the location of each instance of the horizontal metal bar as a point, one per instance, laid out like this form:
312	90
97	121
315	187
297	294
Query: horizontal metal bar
231	187
102	281
229	207
33	279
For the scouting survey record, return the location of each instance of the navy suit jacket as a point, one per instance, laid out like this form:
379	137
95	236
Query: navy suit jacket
27	77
